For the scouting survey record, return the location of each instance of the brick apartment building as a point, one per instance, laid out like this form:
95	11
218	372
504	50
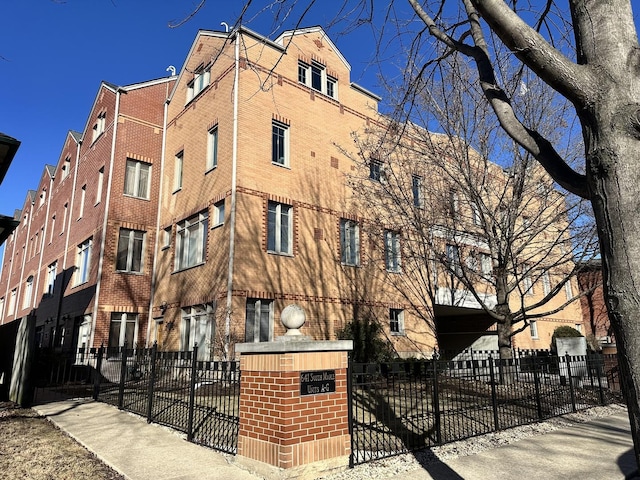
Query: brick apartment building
205	236
80	261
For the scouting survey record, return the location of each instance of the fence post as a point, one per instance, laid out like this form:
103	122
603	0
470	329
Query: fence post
98	373
192	393
536	381
494	396
350	406
436	402
599	375
152	379
569	379
123	375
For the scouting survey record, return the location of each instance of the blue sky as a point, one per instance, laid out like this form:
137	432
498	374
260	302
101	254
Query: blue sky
55	53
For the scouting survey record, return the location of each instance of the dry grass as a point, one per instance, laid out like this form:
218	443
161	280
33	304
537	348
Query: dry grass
33	448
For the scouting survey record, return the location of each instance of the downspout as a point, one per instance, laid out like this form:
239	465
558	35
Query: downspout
154	270
232	215
96	298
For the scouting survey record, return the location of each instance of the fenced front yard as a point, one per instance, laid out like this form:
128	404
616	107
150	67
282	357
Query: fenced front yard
406	406
396	407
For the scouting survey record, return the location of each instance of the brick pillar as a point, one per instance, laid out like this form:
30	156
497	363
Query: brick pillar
294	403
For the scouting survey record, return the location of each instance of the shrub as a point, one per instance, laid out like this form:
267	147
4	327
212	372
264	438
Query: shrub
368	343
565	331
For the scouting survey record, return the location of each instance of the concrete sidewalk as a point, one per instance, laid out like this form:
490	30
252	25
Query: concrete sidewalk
601	449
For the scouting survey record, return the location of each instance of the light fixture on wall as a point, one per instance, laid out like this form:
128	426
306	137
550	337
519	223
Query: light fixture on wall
169	326
163	308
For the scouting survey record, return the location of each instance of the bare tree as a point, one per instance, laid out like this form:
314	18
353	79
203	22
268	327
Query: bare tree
469	231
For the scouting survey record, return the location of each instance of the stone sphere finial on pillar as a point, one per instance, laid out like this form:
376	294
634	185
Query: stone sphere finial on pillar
293	317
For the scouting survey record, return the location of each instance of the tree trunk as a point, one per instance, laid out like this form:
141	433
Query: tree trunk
613	172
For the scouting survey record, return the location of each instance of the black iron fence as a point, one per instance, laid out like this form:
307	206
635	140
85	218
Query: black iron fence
199	398
406	406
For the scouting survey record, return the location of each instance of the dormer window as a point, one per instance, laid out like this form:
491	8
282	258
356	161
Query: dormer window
315	75
200	81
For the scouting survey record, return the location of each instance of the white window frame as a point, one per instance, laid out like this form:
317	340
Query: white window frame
191	241
99	126
416	190
126	319
212	148
476	217
99	186
392	251
279	228
52	273
396	321
315	76
28	292
486	263
349	242
134	181
376	170
199	83
568	290
131	243
279	144
197	326
12	302
66	168
83	262
178	165
166	237
218	214
453	259
533	329
83	196
546	284
253	331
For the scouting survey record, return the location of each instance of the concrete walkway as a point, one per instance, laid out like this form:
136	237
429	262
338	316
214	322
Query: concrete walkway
601	449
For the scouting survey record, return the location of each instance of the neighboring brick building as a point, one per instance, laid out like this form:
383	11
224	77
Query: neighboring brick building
250	203
63	264
594	311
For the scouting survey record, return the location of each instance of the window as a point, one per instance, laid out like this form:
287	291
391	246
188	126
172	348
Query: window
349	242
486	265
218	213
315	75
454	204
279	228
52	272
99	126
476	217
392	251
259	319
527	284
579	327
191	241
396	321
137	179
99	186
66	168
43	197
375	170
130	248
53	228
280	144
416	189
28	292
166	237
200	81
453	259
546	283
533	329
64	217
1	307
82	262
12	302
83	195
197	328
122	330
568	290
212	148
178	161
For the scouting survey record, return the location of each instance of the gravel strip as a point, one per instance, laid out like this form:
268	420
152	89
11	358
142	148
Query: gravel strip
403	463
